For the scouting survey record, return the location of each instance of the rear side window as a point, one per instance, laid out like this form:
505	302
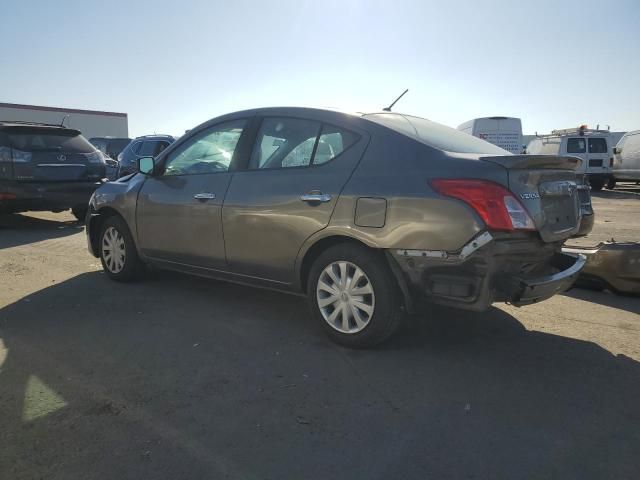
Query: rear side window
333	141
435	135
292	142
284	142
42	139
576	145
597	145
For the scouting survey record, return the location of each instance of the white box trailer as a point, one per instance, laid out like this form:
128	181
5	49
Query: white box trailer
504	132
92	123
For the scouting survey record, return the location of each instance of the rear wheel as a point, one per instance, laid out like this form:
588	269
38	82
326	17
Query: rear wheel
80	212
596	184
118	252
611	184
354	296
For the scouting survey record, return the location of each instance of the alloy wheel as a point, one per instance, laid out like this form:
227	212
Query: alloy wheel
113	250
345	297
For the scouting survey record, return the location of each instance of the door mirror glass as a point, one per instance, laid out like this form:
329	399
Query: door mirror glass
146	165
616	150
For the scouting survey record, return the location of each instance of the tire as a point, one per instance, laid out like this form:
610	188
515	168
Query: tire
596	184
381	312
123	264
80	212
611	184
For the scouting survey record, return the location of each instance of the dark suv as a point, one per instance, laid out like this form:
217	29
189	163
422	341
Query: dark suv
111	146
146	146
47	167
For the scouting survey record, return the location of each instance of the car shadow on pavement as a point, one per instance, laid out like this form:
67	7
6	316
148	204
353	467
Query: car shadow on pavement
630	303
17	229
190	378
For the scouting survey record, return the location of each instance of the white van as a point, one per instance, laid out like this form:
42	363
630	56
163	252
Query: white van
626	162
591	145
504	132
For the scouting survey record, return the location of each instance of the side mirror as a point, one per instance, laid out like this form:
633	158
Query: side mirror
146	165
617	150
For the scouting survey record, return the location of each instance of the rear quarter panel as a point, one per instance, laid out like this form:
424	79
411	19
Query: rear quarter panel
398	169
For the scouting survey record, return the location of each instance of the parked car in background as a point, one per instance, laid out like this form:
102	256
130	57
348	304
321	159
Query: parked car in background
111	146
112	167
592	146
395	209
626	163
47	167
505	132
145	146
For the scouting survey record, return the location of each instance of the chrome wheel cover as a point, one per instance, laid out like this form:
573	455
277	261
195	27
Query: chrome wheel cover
345	297
113	250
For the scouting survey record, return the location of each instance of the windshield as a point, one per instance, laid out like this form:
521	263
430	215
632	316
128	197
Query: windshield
435	134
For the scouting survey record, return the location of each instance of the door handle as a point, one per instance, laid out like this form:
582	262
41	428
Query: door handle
316	197
204	196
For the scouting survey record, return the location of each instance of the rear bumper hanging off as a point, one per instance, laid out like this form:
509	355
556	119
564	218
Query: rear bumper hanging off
516	268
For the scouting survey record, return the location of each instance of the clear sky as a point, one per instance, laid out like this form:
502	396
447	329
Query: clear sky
173	64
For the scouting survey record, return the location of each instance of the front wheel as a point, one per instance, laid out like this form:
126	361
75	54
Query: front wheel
354	296
118	252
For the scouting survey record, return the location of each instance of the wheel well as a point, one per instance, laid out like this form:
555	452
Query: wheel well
96	225
316	250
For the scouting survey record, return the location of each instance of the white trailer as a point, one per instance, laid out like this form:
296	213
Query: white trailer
92	123
504	132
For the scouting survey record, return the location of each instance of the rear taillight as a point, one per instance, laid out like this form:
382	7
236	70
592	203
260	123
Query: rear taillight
7	196
497	207
611	162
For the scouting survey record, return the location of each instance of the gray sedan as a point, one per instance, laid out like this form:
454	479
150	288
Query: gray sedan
367	215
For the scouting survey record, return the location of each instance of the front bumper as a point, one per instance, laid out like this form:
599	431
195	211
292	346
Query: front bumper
519	269
46	196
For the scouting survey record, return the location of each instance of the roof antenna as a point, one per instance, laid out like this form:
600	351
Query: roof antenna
63	119
388	109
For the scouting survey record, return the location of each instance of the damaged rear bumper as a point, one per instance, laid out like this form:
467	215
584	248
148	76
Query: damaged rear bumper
519	269
525	291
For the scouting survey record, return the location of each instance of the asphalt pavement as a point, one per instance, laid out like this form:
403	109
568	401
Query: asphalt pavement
178	377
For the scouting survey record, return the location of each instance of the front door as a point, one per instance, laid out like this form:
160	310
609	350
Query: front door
295	174
179	213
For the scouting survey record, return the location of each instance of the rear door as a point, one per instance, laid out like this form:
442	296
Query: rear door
598	155
43	154
288	192
179	212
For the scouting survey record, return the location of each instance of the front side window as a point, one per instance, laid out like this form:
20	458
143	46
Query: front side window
210	151
147	149
597	145
576	145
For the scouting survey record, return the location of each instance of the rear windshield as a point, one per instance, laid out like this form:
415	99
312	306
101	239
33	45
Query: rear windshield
43	139
597	145
436	135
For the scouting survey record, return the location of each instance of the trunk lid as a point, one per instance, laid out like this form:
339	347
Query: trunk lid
547	185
